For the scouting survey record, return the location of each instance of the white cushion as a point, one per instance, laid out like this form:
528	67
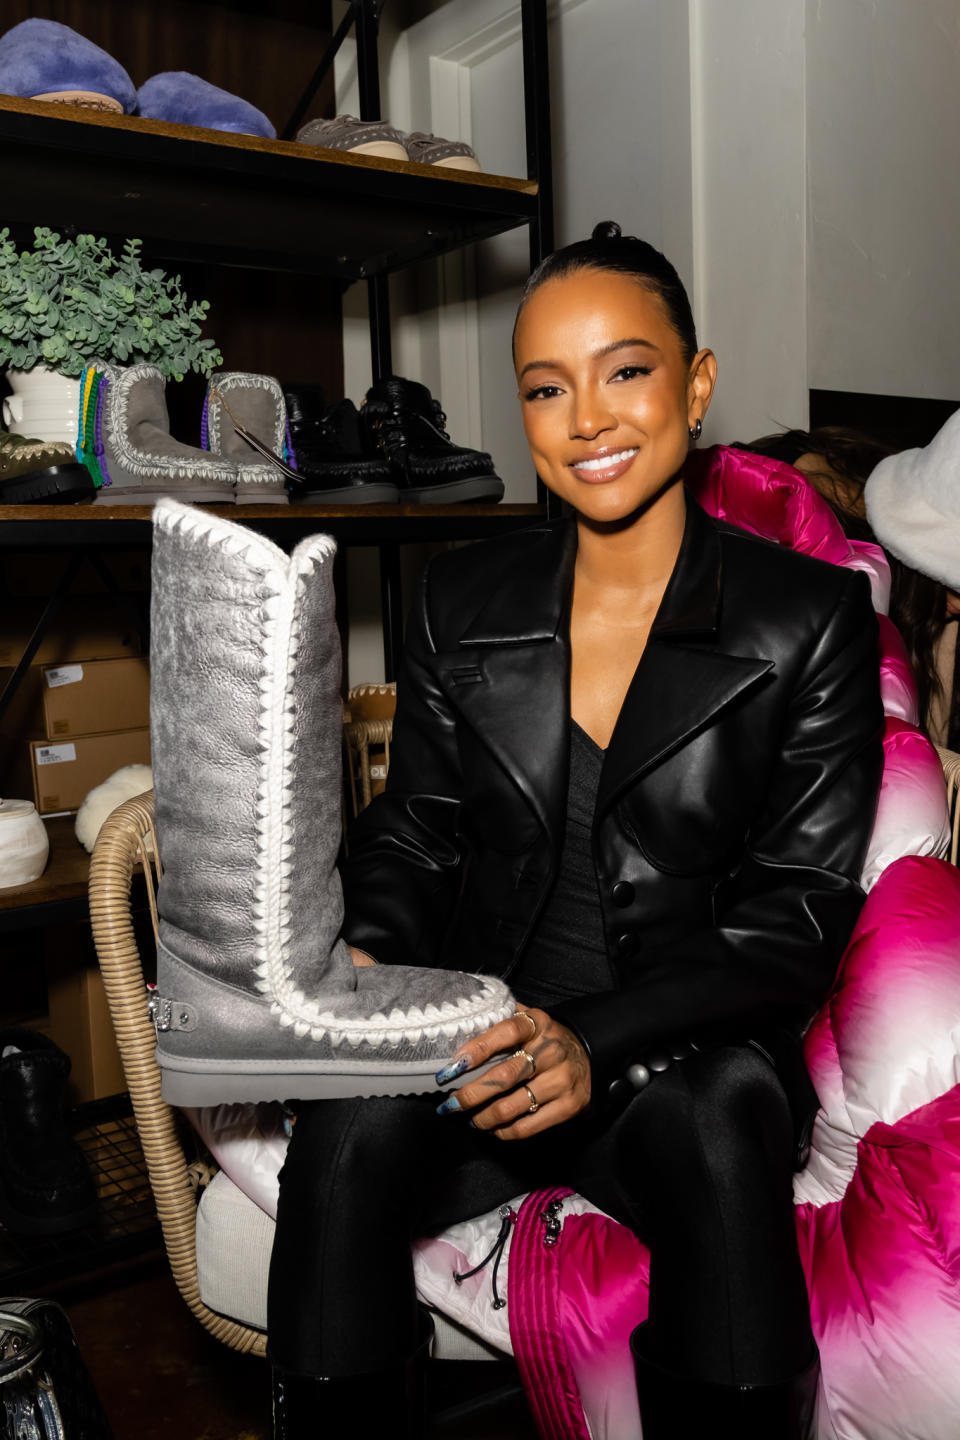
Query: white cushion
234	1241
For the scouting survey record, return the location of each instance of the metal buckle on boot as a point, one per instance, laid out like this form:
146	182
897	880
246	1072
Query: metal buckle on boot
159	1010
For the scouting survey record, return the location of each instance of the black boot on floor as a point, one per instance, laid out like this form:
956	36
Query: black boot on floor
404	424
45	1185
674	1407
390	1403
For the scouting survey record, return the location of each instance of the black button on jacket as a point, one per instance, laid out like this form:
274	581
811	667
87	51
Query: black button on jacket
735	803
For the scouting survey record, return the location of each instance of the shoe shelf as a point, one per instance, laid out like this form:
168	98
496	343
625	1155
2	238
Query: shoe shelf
195	194
106	525
60	894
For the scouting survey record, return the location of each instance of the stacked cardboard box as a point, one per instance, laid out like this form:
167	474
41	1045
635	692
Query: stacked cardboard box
81	712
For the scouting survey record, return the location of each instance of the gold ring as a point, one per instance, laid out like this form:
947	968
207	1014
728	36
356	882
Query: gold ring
525	1055
534	1102
523	1015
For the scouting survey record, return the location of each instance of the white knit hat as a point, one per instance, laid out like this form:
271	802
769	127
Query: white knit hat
913	505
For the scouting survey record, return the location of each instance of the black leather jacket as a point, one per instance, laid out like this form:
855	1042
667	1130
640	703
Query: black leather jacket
735	803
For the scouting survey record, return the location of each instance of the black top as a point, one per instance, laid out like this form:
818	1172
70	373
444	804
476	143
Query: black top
567	954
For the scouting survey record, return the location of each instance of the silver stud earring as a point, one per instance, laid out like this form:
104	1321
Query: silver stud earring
696	431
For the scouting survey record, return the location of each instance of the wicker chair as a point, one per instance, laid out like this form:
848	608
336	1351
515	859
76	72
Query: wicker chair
369	727
126	843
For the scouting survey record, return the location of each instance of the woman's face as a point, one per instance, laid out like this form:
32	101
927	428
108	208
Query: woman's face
606	396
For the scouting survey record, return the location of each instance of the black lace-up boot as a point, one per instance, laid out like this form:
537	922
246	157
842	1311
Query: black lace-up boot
403	423
45	1186
327	449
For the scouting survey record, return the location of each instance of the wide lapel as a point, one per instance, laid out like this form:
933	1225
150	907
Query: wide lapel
511	678
683	679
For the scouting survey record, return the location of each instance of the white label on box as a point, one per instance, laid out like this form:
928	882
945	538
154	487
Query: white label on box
378	772
55	754
63	675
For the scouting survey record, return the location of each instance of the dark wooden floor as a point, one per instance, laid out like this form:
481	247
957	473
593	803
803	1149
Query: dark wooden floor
160	1376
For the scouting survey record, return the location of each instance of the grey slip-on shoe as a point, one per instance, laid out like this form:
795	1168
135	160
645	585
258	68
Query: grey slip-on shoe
257	997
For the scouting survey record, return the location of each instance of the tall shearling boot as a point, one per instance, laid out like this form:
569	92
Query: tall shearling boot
677	1407
125	442
45	1185
255	404
257	997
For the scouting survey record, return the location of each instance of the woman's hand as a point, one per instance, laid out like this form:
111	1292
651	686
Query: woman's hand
557	1084
360	957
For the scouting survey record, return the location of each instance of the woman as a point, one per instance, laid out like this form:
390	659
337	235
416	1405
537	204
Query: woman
635	764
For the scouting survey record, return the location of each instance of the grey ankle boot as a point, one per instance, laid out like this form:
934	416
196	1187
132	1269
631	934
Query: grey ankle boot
256	403
128	446
257	997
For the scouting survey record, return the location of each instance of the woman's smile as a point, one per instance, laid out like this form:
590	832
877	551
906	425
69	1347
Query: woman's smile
598	467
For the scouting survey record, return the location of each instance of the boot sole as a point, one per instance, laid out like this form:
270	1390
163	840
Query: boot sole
56	484
134	495
482	488
218	1082
373	494
257	497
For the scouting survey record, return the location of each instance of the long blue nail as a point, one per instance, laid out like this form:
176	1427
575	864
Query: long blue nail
448	1106
451	1071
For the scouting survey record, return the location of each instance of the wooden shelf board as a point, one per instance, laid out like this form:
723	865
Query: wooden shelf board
236	199
27	526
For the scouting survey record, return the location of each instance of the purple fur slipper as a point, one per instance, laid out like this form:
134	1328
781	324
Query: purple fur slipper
43	60
185	99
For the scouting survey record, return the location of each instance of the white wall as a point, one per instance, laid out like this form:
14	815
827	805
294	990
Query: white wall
749	300
883	124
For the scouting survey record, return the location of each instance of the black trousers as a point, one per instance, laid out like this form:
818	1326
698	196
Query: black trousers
699	1164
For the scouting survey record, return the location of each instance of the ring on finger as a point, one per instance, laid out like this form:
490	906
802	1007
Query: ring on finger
523	1015
534	1105
525	1055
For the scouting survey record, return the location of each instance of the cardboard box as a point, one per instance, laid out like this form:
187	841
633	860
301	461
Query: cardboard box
65	771
79	632
93	697
80	1024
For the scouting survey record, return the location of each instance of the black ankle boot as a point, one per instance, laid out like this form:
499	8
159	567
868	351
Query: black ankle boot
403	423
389	1403
45	1185
674	1407
328	450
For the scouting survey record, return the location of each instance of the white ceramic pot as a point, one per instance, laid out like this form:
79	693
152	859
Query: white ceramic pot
24	843
45	405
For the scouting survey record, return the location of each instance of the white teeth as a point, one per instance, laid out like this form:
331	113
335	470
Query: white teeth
605	462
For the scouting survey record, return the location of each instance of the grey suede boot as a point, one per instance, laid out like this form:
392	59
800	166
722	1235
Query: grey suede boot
126	442
256	404
257	998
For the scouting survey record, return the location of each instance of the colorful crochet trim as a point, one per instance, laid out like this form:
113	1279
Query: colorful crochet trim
90	452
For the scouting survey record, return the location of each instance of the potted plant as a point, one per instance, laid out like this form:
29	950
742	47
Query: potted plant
67	301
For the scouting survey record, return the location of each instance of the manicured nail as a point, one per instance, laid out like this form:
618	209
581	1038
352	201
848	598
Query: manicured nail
455	1068
448	1106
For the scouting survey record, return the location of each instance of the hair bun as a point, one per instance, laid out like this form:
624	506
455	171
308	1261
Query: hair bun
606	230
